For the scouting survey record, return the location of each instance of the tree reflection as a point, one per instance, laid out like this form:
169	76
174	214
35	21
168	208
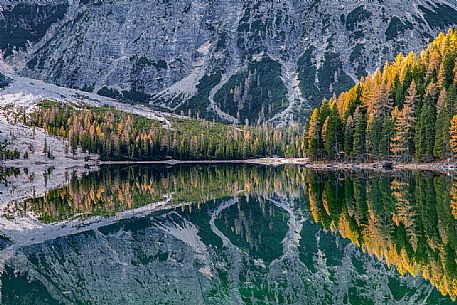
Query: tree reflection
406	219
117	189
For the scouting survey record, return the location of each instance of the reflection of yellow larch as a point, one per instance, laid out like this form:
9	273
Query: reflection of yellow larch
454	199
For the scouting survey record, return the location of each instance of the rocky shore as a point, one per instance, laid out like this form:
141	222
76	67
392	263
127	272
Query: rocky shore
444	167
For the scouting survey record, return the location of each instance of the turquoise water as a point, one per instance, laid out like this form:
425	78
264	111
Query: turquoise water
235	234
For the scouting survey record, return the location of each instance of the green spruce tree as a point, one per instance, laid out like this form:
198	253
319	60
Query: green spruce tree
360	122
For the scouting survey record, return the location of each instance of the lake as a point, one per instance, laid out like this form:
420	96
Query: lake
232	234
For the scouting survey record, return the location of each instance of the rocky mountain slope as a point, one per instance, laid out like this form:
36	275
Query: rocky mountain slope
232	60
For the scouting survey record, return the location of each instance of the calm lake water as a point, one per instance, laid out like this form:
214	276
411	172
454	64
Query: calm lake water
233	234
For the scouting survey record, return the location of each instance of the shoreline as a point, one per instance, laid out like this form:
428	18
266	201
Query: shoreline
383	165
443	167
266	161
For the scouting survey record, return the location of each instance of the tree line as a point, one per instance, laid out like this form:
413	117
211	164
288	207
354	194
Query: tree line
406	111
117	135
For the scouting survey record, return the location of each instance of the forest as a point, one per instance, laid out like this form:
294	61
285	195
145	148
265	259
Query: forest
117	135
405	111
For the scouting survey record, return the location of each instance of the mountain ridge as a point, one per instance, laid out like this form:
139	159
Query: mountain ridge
250	61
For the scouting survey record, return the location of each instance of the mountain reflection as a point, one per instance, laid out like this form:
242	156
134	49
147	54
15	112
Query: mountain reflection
237	234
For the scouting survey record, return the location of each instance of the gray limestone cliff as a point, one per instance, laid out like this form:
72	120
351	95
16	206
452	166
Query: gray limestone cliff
231	60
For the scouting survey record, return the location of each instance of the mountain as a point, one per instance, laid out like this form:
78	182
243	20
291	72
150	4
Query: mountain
407	110
229	60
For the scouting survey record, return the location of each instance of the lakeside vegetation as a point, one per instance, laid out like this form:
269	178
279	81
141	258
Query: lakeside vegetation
118	135
405	112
